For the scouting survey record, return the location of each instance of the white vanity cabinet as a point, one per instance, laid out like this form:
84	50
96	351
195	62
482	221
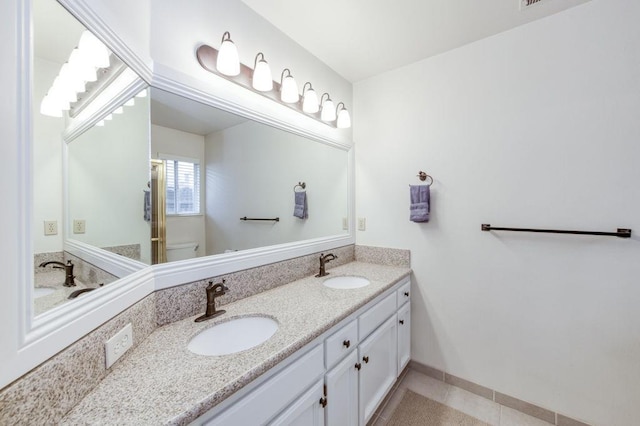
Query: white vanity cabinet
378	357
404	336
342	392
341	380
308	410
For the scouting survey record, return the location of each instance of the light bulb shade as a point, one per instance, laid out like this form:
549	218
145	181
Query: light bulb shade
262	80
130	102
288	88
100	123
81	66
118	110
310	101
94	50
328	112
142	94
228	62
49	108
344	119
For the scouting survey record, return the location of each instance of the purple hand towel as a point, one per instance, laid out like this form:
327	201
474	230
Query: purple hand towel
420	205
300	208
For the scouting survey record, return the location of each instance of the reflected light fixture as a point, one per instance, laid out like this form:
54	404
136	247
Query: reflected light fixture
288	88
228	62
309	99
328	112
344	119
262	80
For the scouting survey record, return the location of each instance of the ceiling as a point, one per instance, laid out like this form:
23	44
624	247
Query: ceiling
362	38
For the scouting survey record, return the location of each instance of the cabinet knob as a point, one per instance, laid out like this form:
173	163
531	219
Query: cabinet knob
365	359
401	322
406	293
358	366
347	343
323	401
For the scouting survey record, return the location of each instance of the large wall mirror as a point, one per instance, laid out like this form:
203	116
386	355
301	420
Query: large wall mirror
162	178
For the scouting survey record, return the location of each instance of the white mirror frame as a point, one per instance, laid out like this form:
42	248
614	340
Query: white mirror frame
28	341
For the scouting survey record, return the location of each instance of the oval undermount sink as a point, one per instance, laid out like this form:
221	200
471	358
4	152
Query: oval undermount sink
346	282
233	336
42	291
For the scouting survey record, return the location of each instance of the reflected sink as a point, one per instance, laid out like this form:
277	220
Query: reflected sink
42	291
346	282
233	336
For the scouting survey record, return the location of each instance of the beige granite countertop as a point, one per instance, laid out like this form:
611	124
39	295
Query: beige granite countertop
161	382
59	294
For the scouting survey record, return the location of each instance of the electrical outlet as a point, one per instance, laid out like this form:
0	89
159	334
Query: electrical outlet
118	344
78	226
50	227
362	224
345	224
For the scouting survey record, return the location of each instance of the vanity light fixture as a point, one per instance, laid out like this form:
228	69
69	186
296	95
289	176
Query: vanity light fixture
225	63
78	75
344	119
328	111
310	103
262	79
288	88
228	62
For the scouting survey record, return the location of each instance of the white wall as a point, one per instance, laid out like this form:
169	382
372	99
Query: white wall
108	171
47	162
534	127
251	170
182	229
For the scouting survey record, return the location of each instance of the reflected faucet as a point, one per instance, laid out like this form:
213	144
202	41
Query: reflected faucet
68	271
324	259
213	291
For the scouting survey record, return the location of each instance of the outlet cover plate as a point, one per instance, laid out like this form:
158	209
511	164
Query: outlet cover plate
78	226
50	227
118	344
362	224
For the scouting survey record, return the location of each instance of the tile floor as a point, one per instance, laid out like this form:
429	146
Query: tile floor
467	402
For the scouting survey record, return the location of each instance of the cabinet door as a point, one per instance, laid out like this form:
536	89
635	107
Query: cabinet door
404	336
307	410
378	355
342	393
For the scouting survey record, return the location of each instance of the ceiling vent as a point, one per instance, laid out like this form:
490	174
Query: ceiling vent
525	4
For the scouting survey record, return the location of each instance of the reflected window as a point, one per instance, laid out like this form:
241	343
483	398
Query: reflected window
183	186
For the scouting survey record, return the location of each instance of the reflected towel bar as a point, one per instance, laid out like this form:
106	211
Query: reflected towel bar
621	232
275	219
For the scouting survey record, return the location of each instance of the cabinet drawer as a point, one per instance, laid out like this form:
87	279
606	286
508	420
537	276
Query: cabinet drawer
341	343
375	316
261	405
404	293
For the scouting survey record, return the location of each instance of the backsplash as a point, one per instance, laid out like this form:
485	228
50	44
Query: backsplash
49	391
176	303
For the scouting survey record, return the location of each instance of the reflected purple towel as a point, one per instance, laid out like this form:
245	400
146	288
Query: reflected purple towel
300	209
420	205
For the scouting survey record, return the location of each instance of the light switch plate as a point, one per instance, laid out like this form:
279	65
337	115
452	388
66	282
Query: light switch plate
118	344
50	227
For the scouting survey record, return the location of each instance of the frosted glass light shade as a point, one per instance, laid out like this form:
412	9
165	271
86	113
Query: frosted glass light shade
81	67
310	99
262	80
344	119
328	112
228	62
49	108
94	50
289	90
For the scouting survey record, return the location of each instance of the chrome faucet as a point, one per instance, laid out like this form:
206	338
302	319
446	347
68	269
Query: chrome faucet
68	271
213	291
324	259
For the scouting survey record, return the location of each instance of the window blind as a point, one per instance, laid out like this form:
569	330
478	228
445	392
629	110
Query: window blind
183	187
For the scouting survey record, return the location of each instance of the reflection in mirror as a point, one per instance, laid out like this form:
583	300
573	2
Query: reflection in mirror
70	67
167	180
220	168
